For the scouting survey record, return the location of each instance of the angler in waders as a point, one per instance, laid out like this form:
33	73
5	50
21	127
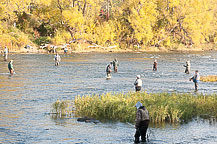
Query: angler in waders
57	59
155	65
142	122
196	79
115	65
108	71
10	67
187	67
5	54
138	83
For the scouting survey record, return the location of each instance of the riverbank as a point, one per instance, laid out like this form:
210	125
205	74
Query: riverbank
87	49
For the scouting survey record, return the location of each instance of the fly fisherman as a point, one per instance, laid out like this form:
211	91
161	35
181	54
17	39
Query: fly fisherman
187	67
108	70
138	83
5	53
155	65
142	122
115	65
65	50
10	67
57	59
196	79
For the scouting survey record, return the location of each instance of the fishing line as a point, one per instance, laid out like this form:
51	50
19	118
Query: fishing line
149	134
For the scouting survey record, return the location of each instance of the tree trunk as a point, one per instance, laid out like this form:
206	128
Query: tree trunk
84	8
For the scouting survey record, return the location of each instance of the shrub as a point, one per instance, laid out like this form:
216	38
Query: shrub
42	40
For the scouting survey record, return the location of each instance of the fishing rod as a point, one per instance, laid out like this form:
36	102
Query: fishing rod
150	133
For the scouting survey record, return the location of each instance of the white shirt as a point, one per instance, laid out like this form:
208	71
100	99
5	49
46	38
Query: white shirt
6	51
138	82
197	76
57	57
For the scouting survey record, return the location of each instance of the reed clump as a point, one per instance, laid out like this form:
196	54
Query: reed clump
210	78
162	107
63	107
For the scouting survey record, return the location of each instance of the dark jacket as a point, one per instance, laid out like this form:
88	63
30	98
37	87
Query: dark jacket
141	115
115	63
108	69
10	65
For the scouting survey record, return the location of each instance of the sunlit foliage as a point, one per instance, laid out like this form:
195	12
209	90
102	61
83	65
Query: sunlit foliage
127	23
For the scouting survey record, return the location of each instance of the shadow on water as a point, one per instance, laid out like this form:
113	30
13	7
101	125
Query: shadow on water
27	96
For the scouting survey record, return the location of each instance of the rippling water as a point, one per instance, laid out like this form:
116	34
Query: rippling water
26	97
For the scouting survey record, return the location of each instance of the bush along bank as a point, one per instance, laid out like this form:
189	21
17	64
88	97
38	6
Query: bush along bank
162	107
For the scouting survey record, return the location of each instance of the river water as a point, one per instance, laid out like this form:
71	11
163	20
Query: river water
27	96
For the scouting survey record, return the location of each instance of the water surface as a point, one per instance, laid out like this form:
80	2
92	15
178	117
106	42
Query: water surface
26	97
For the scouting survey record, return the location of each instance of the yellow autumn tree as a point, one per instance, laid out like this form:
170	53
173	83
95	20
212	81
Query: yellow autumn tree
145	23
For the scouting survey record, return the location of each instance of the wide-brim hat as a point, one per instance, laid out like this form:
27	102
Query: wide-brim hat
138	105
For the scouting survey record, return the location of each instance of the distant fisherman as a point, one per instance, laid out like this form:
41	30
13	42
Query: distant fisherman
10	67
65	50
142	122
155	65
196	79
138	83
5	53
187	67
115	65
57	59
108	70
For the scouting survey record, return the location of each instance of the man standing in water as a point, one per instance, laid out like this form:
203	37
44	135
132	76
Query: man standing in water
155	65
187	67
57	59
5	53
10	67
115	65
65	50
196	79
138	83
108	71
142	122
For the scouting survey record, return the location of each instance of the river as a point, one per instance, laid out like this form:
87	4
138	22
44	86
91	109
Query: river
27	96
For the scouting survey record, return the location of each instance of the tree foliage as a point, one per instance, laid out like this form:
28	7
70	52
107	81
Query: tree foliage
125	23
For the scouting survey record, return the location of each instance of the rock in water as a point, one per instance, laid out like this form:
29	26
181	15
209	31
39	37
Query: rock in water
88	120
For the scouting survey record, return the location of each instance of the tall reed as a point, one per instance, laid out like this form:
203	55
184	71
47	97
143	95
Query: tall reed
62	107
162	107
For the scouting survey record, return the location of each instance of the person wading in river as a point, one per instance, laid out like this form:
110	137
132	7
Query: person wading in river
187	67
57	59
115	65
142	122
196	79
65	50
108	71
155	65
5	53
10	67
138	83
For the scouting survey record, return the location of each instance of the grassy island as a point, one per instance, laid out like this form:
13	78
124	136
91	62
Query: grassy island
163	107
210	78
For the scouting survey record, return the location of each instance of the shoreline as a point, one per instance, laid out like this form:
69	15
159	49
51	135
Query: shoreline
110	51
202	48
